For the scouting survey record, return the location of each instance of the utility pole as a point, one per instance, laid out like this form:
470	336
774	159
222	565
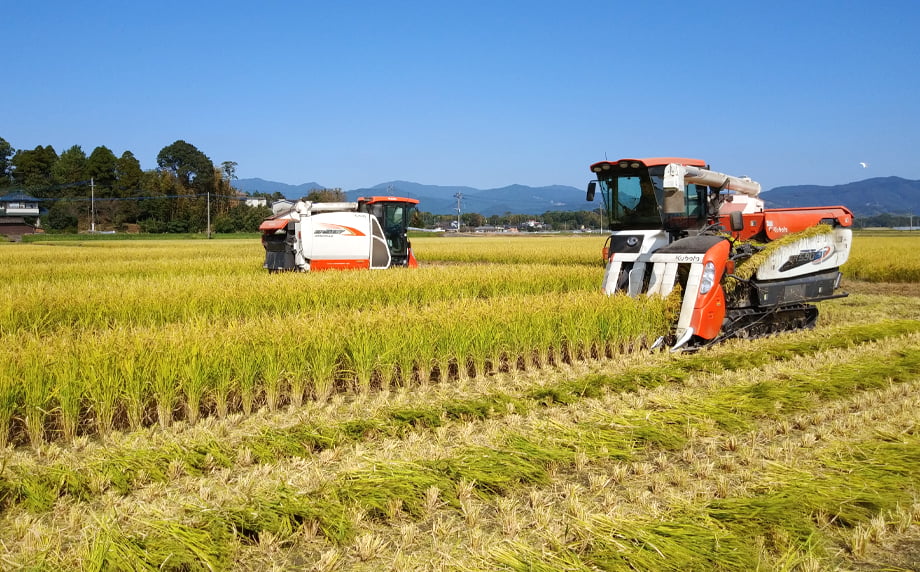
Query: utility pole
92	205
459	197
209	214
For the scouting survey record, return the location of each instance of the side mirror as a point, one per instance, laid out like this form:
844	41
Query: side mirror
592	187
736	221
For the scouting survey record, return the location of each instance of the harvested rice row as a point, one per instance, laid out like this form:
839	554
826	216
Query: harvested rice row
393	489
38	487
797	498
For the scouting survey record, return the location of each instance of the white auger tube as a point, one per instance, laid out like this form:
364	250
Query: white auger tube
676	177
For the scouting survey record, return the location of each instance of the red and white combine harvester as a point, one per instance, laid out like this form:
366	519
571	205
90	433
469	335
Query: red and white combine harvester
742	270
370	233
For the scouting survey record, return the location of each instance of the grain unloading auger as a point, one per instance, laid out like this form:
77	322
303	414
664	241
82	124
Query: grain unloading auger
742	270
370	233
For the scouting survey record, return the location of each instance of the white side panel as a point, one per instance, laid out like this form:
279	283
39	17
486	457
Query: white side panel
336	236
808	255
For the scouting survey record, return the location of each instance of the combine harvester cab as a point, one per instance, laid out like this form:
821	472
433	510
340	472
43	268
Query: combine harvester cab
742	270
368	234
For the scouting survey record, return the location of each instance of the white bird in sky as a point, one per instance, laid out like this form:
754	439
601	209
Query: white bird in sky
863	164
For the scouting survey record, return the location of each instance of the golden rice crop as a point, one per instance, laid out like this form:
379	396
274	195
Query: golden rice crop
885	258
136	333
125	334
110	294
512	249
227	364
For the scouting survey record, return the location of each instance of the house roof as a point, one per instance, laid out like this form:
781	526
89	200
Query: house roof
16	196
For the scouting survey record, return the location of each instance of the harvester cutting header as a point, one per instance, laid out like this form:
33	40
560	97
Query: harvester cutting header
370	234
743	270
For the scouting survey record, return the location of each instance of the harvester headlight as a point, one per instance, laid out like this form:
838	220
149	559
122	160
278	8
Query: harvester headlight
709	278
624	164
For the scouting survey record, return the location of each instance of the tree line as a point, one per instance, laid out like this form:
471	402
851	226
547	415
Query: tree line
550	220
115	193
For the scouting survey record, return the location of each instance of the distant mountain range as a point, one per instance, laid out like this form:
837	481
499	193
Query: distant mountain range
865	198
515	199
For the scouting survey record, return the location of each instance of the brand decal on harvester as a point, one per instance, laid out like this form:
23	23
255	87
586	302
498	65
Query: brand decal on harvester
327	229
810	256
776	229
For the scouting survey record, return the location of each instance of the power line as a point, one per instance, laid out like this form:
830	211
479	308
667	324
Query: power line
87	199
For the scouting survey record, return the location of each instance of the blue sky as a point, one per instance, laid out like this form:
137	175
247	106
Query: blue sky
485	94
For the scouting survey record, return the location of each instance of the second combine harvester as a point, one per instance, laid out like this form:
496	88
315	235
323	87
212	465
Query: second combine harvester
370	233
743	270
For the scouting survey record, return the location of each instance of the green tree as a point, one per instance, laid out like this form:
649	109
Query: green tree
241	218
61	217
101	166
325	196
228	169
158	212
70	168
32	170
129	174
6	165
190	166
472	219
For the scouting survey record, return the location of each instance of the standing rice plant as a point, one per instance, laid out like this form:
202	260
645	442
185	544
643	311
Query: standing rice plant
458	342
272	362
535	337
246	371
65	375
10	398
134	379
322	354
361	349
298	373
441	337
400	359
193	380
424	348
101	383
223	382
571	329
481	343
392	349
164	377
37	387
548	343
520	340
500	346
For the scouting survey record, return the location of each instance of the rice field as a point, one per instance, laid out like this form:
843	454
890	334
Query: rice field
168	405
